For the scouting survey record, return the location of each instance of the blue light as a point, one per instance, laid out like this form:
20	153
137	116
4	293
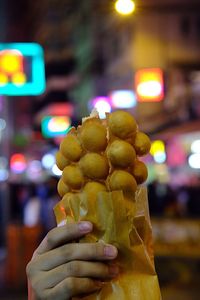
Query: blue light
37	84
160	157
123	99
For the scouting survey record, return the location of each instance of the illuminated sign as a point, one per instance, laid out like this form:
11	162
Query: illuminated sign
123	99
22	69
149	85
53	126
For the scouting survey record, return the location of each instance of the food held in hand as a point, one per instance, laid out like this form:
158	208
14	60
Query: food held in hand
93	188
140	172
122	180
121	154
94	166
122	124
61	160
102	155
70	147
141	143
93	135
73	177
62	188
101	184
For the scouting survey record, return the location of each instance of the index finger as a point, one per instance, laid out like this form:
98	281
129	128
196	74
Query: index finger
62	235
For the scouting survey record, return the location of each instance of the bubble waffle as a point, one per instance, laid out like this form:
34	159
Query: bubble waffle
105	152
101	182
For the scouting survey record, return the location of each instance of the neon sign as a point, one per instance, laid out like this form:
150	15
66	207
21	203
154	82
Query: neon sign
21	69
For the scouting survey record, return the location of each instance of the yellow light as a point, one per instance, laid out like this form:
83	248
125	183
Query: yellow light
125	7
3	79
19	78
10	61
157	146
149	85
150	89
59	124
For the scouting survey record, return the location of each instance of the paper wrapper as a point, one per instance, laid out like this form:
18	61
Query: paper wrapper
126	224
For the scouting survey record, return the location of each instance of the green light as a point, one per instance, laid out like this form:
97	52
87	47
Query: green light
36	83
53	126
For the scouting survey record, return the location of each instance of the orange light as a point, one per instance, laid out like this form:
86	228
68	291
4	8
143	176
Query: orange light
149	85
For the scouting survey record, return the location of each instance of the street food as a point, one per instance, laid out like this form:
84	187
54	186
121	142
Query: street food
140	172
105	152
141	143
70	147
61	161
73	177
94	166
121	154
122	180
93	135
122	124
102	183
63	188
94	187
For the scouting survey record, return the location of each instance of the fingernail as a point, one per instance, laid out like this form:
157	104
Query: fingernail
85	226
110	251
113	270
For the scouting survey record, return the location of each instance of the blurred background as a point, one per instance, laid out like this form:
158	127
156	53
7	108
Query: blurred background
61	58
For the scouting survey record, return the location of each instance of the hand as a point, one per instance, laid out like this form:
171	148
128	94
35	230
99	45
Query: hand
61	269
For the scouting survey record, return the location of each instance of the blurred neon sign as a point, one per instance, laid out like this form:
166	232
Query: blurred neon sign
123	99
21	69
53	126
149	85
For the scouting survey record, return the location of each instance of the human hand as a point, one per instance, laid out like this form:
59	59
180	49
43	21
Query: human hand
61	269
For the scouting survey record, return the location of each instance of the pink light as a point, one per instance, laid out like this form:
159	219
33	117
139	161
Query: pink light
18	163
176	155
102	105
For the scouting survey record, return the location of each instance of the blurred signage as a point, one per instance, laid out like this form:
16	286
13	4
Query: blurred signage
123	99
149	85
54	126
22	69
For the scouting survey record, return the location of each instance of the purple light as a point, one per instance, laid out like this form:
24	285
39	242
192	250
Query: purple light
102	105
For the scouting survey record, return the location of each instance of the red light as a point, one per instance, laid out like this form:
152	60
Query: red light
18	163
149	85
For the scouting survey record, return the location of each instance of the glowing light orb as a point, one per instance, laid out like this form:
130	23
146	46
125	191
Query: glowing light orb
48	160
195	146
56	171
194	161
123	99
125	7
102	105
18	163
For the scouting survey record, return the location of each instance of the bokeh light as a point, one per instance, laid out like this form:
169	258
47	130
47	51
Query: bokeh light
18	163
125	7
195	146
56	171
102	105
194	161
123	99
48	161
